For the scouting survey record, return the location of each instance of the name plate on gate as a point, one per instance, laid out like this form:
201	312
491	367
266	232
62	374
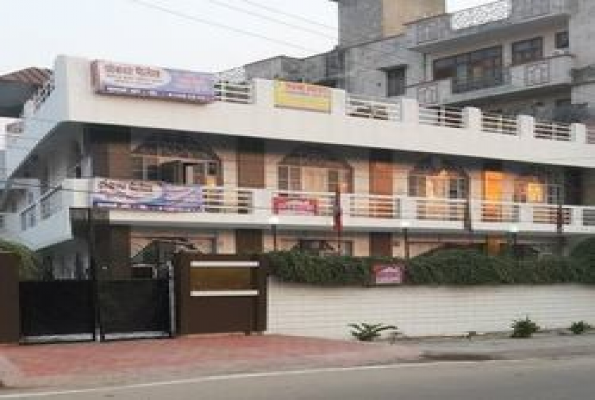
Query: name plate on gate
223	278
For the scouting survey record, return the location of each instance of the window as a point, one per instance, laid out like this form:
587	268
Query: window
324	247
527	50
395	82
562	40
312	169
538	187
471	71
175	158
437	180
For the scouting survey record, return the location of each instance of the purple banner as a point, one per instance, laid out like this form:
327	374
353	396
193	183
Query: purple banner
152	82
153	196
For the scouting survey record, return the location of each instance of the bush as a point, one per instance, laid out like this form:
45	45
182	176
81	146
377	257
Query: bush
524	328
30	264
303	267
584	257
580	327
368	332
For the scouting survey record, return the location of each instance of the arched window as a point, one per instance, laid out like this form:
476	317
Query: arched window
537	185
176	158
312	169
438	179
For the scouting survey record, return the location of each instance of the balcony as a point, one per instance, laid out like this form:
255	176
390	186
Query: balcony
550	72
472	24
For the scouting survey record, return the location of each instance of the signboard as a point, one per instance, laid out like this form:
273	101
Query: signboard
295	206
303	96
153	196
152	82
388	274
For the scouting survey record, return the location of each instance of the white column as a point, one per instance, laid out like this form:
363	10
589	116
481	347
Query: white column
579	133
264	93
408	209
262	200
472	118
339	103
409	111
526	126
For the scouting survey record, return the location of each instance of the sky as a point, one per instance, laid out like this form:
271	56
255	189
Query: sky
33	32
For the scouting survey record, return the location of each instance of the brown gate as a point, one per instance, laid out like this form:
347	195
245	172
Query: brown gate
220	293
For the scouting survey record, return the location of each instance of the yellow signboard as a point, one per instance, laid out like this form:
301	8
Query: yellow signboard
303	96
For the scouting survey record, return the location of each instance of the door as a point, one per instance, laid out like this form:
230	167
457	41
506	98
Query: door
492	194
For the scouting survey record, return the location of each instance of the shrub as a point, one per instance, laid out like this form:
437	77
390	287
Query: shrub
580	327
524	328
30	267
368	332
460	267
303	267
583	255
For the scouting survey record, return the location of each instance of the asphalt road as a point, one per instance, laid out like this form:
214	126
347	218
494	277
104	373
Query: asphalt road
523	380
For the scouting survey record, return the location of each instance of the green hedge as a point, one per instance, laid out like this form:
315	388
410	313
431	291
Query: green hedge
30	263
302	267
467	267
446	267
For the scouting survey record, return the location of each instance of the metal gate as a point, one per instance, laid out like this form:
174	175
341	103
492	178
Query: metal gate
135	308
78	310
57	310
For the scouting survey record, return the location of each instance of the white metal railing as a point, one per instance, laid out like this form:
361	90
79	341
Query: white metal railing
493	211
367	107
588	216
29	217
496	123
228	200
3	221
441	116
43	93
374	206
591	136
439	209
553	131
550	214
231	92
50	203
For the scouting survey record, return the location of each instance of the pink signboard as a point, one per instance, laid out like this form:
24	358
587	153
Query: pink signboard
295	206
388	274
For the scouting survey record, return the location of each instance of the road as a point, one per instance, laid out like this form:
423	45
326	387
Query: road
523	380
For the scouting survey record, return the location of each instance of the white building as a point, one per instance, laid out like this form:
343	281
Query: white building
266	148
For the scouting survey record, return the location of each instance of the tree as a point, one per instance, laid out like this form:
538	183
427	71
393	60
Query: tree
30	263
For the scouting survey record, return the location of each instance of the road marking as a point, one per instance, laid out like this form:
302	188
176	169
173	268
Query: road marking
218	378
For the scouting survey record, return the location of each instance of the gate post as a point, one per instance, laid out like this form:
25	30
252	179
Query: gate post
10	320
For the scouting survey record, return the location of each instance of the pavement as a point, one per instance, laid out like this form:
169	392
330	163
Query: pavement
125	362
86	365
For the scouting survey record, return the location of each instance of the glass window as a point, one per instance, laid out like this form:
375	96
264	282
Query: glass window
562	40
527	50
396	82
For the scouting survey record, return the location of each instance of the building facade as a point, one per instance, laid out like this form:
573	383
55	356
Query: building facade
508	57
131	179
437	130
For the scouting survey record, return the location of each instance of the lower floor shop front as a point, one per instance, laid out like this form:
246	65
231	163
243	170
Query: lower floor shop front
123	251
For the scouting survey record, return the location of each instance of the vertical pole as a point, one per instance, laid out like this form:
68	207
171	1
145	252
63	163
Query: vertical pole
274	229
515	248
406	243
98	332
560	223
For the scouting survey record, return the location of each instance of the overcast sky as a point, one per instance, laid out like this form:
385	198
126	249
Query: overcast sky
33	32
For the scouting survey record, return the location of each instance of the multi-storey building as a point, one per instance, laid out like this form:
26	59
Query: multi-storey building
508	57
218	171
210	176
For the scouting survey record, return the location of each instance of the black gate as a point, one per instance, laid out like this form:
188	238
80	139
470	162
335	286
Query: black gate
74	310
57	310
135	308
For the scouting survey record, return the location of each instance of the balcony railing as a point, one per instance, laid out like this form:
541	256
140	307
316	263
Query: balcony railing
498	14
553	131
367	107
449	117
231	92
498	123
498	78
